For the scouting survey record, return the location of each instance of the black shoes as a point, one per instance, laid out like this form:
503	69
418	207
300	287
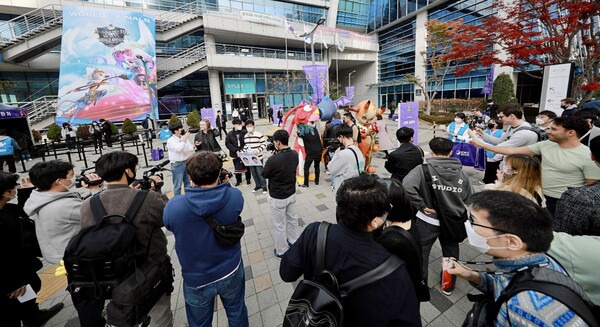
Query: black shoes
44	315
303	185
256	189
238	184
248	182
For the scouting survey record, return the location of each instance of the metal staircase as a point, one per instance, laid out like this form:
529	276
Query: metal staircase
39	109
180	62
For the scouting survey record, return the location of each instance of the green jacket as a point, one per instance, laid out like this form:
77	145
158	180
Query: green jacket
579	256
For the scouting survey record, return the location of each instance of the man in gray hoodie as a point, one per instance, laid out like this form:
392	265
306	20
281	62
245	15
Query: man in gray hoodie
55	206
346	163
452	188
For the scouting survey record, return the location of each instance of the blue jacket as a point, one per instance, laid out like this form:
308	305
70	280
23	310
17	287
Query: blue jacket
8	146
202	259
497	134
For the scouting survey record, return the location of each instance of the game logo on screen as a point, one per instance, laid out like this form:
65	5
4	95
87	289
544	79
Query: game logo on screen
107	66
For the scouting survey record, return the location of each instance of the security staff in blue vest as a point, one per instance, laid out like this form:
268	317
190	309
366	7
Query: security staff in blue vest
458	129
8	145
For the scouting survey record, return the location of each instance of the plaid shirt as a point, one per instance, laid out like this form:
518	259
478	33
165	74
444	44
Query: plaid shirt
577	212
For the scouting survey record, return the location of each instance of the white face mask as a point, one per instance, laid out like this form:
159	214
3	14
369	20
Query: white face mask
71	186
539	121
479	242
458	120
250	129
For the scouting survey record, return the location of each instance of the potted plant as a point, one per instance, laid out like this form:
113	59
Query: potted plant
83	132
174	120
54	133
128	128
193	120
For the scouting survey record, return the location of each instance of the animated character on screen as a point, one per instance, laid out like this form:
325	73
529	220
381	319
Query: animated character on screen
133	64
94	91
301	114
365	120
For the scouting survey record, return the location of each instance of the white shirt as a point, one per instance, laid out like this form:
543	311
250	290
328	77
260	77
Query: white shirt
178	149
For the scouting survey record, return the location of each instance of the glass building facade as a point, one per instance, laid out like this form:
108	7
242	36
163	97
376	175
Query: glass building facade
353	13
27	86
288	10
383	12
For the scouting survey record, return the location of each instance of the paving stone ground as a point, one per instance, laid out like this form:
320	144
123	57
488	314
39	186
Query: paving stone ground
266	295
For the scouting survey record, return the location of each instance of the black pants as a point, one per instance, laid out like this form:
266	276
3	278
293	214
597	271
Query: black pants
89	310
238	177
70	142
307	163
223	131
12	312
11	163
551	204
108	139
490	171
429	233
270	118
97	138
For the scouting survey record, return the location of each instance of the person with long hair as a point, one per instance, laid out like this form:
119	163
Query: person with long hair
385	141
205	139
521	174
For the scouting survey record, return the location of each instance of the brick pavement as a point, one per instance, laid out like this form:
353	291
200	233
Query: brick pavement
266	294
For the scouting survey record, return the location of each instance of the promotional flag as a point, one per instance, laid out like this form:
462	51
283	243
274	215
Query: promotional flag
340	44
408	116
317	77
489	82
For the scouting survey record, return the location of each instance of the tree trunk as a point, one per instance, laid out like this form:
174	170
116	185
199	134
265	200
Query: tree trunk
428	109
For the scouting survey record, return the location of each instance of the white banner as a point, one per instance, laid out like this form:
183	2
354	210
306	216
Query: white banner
262	18
555	87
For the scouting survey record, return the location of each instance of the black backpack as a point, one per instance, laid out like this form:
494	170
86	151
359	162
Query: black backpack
541	134
539	279
100	257
359	137
319	302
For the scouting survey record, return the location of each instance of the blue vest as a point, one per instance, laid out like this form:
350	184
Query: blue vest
461	131
164	134
497	134
6	147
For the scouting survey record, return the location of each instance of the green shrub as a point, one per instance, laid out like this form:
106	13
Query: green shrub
504	90
83	132
37	136
446	105
174	120
193	119
113	127
438	118
54	133
128	127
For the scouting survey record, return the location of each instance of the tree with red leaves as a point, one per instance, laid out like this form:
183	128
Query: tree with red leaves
530	34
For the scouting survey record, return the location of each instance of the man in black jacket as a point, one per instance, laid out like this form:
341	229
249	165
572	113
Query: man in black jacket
221	122
313	148
234	141
362	203
406	157
280	171
19	252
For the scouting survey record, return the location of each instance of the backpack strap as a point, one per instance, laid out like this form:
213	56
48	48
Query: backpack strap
355	157
524	281
429	182
321	246
136	204
98	210
406	234
383	270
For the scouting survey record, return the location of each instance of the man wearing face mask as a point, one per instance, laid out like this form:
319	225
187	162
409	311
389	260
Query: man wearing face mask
280	171
179	151
54	206
516	233
234	141
569	106
118	169
544	119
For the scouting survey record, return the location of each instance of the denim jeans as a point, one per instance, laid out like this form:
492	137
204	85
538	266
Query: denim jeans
179	176
200	302
259	180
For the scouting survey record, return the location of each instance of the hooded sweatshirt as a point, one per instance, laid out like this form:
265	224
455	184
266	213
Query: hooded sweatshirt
202	259
343	165
451	185
57	220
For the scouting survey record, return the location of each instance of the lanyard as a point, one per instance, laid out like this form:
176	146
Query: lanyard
496	272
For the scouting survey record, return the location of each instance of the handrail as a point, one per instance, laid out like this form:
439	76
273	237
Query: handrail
248	51
181	60
30	23
39	108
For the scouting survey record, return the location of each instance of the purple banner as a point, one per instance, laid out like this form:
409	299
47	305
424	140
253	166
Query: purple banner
408	116
317	77
208	113
489	82
12	113
469	155
276	109
350	92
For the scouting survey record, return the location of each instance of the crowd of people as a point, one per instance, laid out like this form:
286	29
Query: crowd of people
537	218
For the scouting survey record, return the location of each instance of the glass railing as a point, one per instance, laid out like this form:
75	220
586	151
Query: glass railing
245	51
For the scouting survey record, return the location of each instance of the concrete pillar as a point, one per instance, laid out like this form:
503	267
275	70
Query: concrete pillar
420	46
214	82
332	13
210	48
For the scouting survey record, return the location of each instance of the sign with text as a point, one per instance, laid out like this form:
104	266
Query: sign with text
408	116
555	87
208	113
264	19
107	66
317	78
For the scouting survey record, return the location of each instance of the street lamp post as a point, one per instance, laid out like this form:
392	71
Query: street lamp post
350	75
152	109
312	48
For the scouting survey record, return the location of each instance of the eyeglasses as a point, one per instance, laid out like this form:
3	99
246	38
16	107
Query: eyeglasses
501	116
473	223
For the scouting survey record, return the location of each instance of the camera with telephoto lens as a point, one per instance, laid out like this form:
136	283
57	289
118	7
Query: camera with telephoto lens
146	182
223	174
83	178
334	145
270	145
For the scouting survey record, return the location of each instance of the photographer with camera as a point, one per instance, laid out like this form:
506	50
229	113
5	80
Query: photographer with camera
179	150
55	205
208	266
118	170
280	170
348	161
329	139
